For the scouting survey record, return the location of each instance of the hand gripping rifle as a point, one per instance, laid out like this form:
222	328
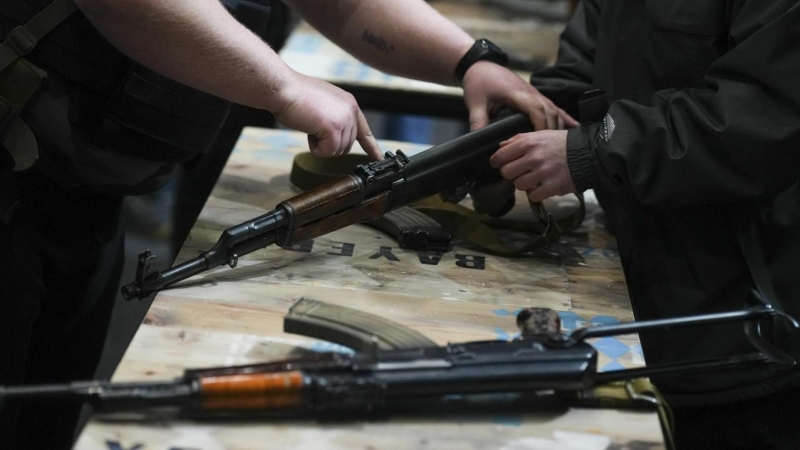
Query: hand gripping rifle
371	191
394	366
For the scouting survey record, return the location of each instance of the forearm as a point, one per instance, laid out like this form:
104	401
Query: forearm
195	42
402	37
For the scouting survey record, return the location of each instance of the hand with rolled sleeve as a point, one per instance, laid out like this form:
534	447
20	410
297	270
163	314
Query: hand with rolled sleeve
536	163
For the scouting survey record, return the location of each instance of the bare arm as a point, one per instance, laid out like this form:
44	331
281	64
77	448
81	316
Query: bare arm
407	38
197	43
411	39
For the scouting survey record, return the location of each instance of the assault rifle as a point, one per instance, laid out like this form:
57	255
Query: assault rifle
373	190
391	370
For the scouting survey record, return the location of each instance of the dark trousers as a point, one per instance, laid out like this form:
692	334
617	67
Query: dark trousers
771	422
58	276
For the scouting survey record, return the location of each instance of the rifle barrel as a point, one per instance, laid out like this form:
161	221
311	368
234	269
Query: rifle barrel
106	394
234	242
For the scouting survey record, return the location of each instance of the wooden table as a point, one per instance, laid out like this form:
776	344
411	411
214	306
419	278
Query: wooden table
234	316
525	38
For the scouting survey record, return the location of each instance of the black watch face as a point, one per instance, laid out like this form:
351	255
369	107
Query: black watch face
490	45
482	50
491	51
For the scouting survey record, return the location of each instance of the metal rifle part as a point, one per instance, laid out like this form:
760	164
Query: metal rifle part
325	383
363	332
371	191
410	228
749	317
234	242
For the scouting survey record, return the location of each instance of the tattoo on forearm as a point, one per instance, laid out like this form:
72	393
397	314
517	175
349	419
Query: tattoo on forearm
377	42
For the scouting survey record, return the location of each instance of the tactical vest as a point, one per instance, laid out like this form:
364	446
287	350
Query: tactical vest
117	102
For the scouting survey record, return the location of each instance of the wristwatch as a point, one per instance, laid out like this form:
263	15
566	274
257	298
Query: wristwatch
481	50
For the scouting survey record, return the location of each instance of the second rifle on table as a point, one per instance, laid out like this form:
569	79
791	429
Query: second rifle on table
394	368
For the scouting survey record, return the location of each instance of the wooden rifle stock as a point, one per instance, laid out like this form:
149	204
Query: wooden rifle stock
371	191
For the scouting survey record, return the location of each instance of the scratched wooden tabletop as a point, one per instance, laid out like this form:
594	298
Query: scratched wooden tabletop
234	316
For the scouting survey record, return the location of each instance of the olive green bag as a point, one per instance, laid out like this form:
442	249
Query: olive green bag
20	81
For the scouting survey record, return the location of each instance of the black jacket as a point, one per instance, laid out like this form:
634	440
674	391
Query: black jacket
697	165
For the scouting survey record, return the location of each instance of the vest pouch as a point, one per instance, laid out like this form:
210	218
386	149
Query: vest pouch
185	119
19	84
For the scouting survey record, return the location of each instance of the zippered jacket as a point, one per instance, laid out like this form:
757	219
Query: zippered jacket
696	165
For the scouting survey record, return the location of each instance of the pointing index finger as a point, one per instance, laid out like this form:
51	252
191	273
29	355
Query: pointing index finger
367	139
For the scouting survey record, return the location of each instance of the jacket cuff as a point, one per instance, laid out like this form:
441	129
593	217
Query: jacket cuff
581	158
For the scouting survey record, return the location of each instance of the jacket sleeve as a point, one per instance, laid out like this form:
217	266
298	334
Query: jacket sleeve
735	140
571	75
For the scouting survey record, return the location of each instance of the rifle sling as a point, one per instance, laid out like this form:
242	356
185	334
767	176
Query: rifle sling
638	392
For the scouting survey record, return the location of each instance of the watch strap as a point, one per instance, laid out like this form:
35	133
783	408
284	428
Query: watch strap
481	50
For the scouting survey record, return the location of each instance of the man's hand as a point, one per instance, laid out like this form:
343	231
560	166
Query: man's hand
330	116
489	87
536	163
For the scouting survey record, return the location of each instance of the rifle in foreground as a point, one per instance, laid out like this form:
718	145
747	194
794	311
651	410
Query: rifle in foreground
541	359
373	190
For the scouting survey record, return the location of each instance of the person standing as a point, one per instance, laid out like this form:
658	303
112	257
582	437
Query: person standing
697	167
137	87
